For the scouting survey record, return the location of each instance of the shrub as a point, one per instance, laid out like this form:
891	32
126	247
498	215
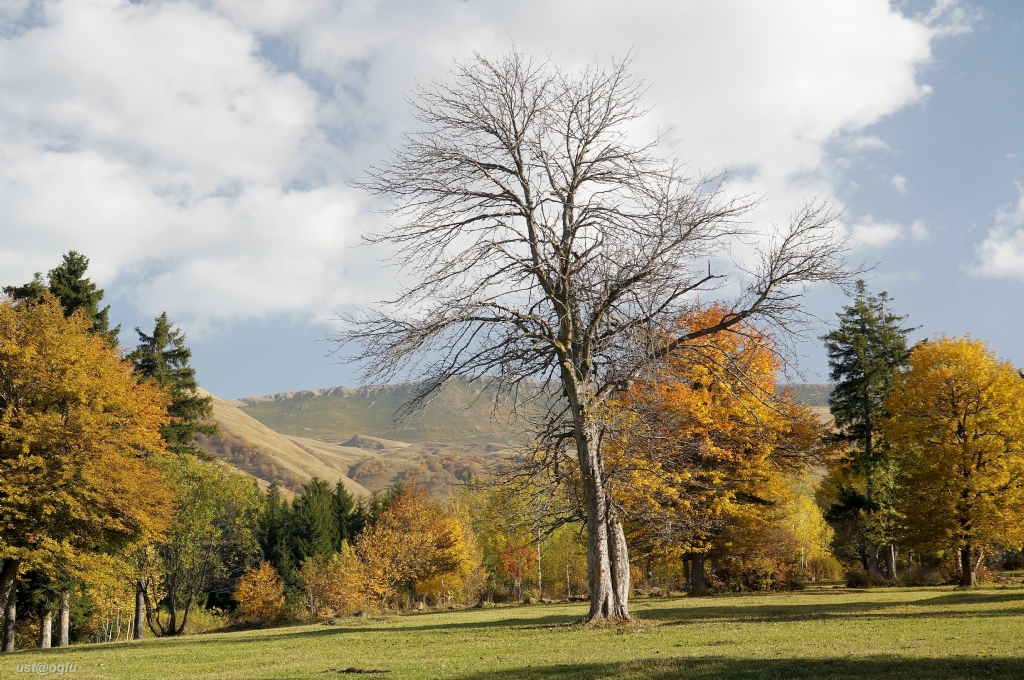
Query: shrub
857	578
260	595
769	564
824	568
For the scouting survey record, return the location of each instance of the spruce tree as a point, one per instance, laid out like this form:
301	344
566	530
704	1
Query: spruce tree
864	353
314	521
67	282
344	506
275	534
163	358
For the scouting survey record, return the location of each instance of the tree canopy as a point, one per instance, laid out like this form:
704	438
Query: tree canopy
68	283
77	431
958	418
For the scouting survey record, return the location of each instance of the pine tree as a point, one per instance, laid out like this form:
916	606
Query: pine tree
864	354
314	522
344	506
163	358
275	534
68	283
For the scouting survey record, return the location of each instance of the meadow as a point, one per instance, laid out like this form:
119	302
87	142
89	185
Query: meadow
817	633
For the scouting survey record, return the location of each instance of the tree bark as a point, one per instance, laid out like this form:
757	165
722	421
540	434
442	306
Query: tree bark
968	574
46	631
874	567
411	585
698	584
890	562
10	616
64	620
606	541
138	624
540	579
9	598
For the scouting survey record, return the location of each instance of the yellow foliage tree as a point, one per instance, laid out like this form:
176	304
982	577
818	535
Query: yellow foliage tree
706	443
958	420
75	431
415	539
260	595
335	584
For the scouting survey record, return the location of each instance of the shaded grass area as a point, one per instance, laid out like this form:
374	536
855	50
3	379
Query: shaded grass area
841	634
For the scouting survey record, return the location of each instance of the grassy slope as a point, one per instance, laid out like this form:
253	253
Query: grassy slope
281	453
461	413
840	634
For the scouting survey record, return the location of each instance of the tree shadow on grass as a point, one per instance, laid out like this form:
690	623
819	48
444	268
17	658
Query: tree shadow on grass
535	623
890	668
789	611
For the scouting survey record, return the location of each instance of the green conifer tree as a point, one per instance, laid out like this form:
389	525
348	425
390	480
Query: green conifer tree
275	534
344	506
314	521
864	354
68	283
163	358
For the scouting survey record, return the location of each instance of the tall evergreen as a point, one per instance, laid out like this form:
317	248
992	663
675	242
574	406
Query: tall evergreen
275	534
314	521
864	353
344	507
163	358
68	283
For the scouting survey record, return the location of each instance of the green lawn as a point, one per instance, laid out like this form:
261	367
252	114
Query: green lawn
886	633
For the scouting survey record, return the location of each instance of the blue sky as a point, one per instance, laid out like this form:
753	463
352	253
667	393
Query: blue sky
199	152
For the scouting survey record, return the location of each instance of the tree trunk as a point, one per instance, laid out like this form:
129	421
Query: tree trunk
698	584
412	592
10	618
139	629
540	580
64	619
874	568
890	562
9	596
46	631
968	575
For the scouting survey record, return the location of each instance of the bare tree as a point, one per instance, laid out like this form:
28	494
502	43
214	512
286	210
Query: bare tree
541	245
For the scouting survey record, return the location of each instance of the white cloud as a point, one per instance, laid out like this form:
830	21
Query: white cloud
871	234
899	183
1001	254
197	151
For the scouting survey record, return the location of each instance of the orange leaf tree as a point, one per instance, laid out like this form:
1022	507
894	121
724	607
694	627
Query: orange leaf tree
703	444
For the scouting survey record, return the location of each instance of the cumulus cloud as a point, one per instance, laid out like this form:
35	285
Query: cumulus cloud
899	183
869	233
1001	254
198	152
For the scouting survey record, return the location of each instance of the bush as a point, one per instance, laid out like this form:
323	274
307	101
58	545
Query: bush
857	578
825	568
921	575
768	565
260	595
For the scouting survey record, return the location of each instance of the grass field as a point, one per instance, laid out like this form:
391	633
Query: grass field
890	633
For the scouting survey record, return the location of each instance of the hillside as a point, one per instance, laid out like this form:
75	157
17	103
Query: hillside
812	394
363	462
462	412
271	457
350	435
